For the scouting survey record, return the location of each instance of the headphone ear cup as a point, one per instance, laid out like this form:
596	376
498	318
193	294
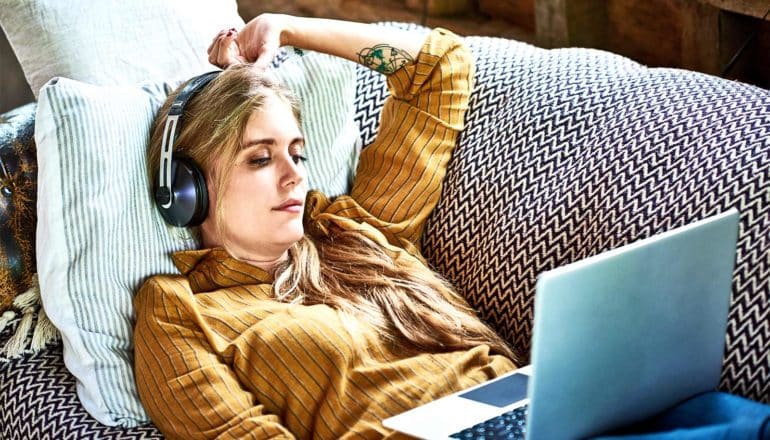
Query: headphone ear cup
190	198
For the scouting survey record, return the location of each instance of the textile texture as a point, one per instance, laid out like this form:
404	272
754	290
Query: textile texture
40	402
571	152
113	43
18	195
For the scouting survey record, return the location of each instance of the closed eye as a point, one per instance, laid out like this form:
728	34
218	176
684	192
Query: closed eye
259	161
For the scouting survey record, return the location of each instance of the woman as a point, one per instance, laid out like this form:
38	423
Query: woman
303	316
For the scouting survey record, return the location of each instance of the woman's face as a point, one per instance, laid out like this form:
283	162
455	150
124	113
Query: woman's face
265	195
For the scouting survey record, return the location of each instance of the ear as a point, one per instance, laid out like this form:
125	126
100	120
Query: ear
209	230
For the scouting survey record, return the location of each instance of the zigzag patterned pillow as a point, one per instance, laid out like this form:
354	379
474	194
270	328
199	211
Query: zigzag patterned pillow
39	400
571	152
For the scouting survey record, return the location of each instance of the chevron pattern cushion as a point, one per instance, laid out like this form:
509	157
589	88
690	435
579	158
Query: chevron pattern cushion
570	152
39	401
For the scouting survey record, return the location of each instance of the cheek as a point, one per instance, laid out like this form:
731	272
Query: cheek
247	195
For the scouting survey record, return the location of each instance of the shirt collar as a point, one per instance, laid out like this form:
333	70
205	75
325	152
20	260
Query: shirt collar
212	269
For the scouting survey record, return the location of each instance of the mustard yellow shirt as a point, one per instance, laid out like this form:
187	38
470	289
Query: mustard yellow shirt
217	357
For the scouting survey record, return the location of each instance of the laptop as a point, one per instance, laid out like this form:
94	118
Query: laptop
617	337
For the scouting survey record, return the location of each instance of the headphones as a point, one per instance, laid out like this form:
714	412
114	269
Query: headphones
181	194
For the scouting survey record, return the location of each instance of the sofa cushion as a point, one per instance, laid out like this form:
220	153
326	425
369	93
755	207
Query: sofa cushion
39	400
18	194
570	152
109	43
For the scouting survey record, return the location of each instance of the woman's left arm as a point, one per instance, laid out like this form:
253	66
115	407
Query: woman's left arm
401	174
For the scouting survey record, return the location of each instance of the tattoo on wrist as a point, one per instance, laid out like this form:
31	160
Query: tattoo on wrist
384	58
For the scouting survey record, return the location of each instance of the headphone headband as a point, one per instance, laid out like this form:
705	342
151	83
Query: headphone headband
190	89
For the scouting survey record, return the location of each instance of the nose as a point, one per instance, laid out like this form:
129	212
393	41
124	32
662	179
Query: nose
292	173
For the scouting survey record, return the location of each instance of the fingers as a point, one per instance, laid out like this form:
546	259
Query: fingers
224	50
215	47
214	41
266	53
258	42
260	39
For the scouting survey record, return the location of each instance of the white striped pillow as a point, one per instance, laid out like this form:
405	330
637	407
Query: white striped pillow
99	235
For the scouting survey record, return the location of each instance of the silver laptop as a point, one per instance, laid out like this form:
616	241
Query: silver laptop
617	337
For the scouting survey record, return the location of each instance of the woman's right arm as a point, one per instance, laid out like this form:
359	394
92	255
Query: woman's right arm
385	50
400	176
183	384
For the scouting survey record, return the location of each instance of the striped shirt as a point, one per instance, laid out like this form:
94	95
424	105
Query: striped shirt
217	356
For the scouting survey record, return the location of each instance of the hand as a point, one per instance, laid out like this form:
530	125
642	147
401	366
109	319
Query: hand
261	38
258	42
224	50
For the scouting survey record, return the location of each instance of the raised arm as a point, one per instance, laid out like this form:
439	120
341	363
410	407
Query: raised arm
381	49
400	176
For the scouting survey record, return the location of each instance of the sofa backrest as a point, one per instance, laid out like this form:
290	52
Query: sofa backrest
570	152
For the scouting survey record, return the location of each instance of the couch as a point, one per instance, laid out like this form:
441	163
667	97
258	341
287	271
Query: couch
566	153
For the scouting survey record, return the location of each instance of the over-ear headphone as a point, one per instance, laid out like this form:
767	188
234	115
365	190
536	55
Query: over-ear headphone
181	194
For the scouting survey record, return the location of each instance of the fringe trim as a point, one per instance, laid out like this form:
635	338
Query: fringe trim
27	306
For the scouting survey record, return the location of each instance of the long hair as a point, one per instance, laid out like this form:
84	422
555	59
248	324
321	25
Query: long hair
411	307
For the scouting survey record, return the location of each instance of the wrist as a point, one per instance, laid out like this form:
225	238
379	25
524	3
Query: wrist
288	35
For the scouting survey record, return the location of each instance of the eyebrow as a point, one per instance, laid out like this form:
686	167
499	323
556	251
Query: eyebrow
269	141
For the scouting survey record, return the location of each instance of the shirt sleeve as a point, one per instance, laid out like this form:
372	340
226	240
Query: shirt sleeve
400	175
185	387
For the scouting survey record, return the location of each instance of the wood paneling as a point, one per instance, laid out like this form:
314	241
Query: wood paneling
560	23
440	7
701	35
519	12
752	8
700	49
647	31
469	23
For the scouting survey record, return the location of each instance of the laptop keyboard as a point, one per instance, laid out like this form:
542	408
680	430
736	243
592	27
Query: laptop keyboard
509	425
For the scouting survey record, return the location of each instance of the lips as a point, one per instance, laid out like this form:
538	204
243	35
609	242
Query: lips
289	205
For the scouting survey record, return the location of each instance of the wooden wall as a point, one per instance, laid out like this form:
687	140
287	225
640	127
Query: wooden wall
701	35
503	18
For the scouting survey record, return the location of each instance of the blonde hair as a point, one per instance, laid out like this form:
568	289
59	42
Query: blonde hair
410	306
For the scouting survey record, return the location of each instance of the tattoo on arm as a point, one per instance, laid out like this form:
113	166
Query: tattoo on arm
383	58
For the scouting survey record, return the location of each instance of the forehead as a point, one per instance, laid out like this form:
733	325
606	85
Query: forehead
273	120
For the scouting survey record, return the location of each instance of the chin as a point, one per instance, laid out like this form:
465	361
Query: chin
294	236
